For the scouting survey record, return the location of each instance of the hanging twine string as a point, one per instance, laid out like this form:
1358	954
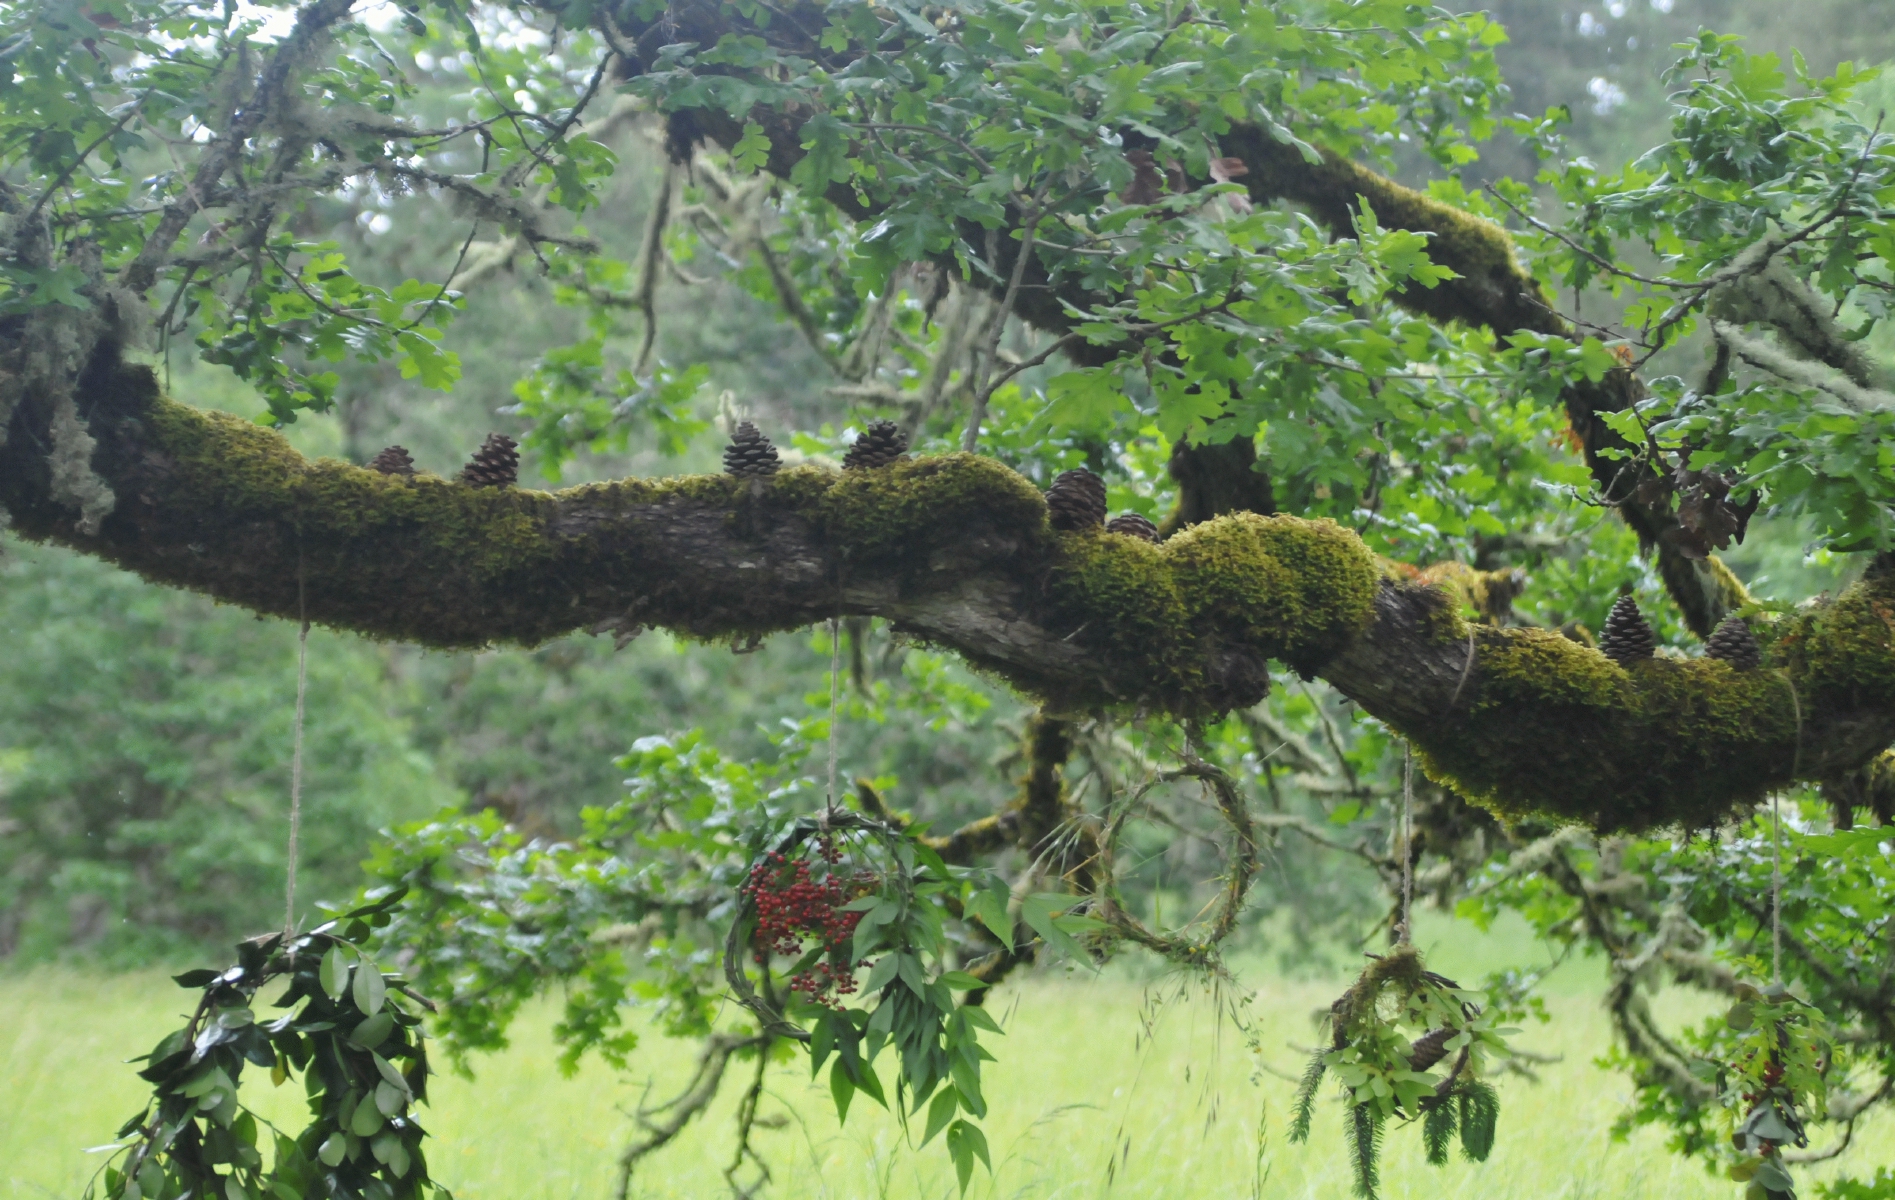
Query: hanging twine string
1407	832
835	672
296	756
1776	892
1776	844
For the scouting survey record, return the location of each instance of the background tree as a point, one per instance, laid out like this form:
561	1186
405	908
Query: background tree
972	196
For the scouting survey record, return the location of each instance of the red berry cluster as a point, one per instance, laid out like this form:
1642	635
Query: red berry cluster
794	906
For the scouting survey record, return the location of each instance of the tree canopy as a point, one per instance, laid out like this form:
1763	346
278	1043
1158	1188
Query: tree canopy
1165	246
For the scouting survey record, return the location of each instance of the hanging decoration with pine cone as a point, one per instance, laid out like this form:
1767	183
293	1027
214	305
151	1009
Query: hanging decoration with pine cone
393	461
1133	525
1627	638
1077	500
495	464
750	454
881	443
1385	1074
1733	642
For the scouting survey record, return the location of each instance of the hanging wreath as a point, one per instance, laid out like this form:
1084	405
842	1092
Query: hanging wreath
356	1046
1771	1080
1389	1032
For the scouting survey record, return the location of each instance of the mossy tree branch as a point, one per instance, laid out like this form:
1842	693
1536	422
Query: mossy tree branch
957	550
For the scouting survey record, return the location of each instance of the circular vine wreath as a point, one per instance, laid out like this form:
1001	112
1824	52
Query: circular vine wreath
1221	922
1393	1026
357	1048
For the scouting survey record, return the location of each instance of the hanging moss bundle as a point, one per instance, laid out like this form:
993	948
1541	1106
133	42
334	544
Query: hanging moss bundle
881	443
393	461
1733	642
1077	500
495	464
750	454
1133	525
1627	638
1388	1034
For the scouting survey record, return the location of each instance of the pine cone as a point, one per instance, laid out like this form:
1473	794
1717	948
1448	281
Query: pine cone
1077	499
393	461
1429	1049
750	454
1627	638
881	443
495	464
1133	525
1733	642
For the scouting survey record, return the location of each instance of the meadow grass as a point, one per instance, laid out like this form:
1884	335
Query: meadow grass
1106	1087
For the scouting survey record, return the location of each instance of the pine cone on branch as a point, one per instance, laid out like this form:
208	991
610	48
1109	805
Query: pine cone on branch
1077	500
1733	642
495	464
881	443
750	454
393	461
1627	638
1133	525
1430	1048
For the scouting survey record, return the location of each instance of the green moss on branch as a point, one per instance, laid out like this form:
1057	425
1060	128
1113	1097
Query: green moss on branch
1556	728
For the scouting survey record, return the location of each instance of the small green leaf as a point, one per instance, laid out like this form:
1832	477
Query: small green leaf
939	1113
332	1149
369	990
964	1142
841	1090
365	1120
752	150
1038	911
390	1099
990	906
372	1032
335	971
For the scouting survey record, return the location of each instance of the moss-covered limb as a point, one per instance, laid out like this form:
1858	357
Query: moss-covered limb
1536	724
957	550
954	549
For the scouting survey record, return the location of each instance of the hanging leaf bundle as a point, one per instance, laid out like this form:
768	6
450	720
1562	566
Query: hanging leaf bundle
1771	1080
1407	1044
345	1031
842	893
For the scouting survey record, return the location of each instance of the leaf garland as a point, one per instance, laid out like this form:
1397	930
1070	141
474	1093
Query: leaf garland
357	1047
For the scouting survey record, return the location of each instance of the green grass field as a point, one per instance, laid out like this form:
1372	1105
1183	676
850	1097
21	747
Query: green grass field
1086	1103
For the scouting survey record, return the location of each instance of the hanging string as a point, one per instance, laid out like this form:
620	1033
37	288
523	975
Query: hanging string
1407	832
835	672
1776	892
296	756
1776	843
